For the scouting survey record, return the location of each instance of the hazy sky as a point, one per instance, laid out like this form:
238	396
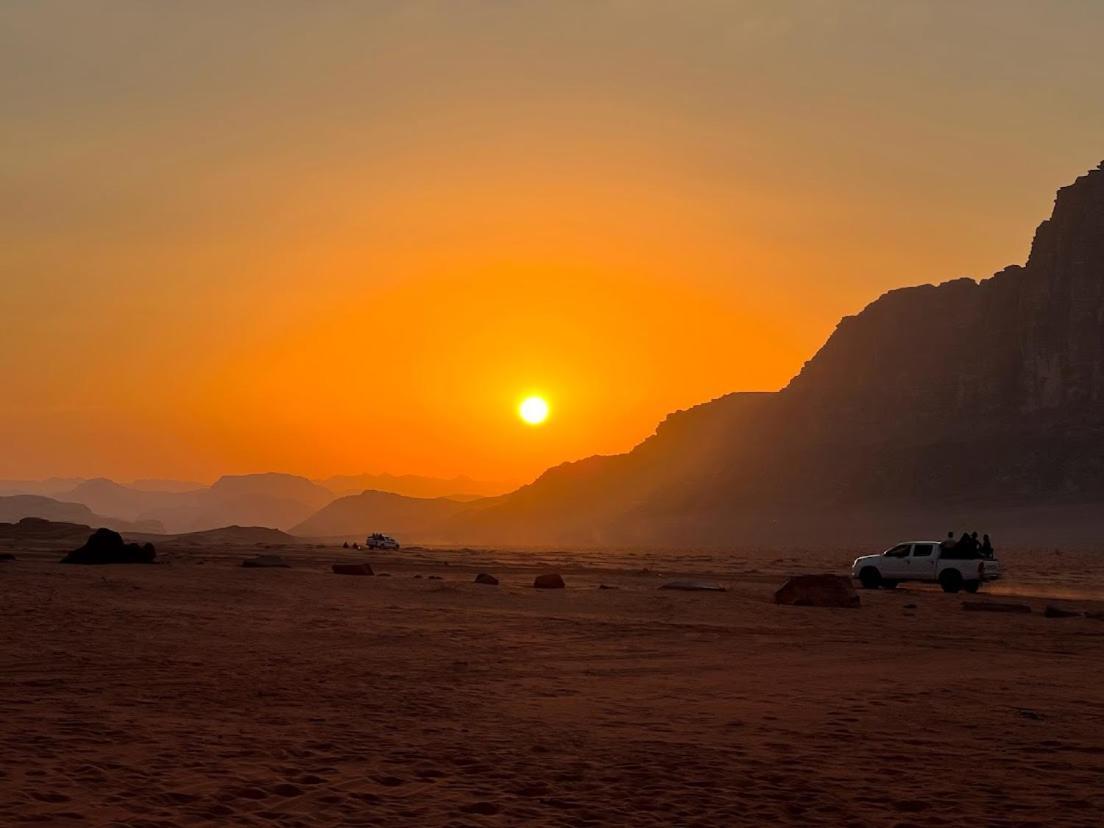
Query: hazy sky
327	237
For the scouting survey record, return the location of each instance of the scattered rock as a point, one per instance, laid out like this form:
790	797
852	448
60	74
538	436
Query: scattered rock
384	575
1031	714
345	545
1052	611
910	606
549	581
694	586
607	586
818	591
994	606
484	578
266	562
352	569
106	547
434	578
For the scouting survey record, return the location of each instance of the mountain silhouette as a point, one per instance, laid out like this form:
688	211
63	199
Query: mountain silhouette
371	511
960	401
14	508
412	485
269	499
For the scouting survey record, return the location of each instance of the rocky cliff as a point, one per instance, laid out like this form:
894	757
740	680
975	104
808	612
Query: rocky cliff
965	399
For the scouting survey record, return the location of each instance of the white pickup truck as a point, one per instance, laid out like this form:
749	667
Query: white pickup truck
925	561
377	540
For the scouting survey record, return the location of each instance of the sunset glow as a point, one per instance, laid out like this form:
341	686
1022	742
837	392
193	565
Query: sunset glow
533	410
287	254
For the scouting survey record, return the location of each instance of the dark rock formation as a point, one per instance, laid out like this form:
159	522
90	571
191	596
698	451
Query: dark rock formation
818	591
484	578
7	556
550	581
352	569
107	547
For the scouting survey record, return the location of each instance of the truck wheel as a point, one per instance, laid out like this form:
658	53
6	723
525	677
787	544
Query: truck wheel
951	580
870	578
972	586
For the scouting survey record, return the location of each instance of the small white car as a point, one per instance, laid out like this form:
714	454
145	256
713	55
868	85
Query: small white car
378	541
925	561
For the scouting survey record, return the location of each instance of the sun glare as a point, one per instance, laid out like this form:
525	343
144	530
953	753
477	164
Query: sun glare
533	410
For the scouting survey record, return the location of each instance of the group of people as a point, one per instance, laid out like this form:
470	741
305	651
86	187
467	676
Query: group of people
967	546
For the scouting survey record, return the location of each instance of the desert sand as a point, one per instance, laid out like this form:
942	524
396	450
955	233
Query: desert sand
198	692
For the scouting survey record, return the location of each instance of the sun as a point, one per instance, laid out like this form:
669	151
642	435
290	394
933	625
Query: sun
534	410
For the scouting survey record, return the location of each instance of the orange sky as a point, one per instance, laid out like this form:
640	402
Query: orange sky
327	238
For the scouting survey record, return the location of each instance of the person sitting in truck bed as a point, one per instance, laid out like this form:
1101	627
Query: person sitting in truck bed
965	549
948	543
986	546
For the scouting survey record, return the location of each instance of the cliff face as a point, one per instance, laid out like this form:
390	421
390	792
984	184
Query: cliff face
986	395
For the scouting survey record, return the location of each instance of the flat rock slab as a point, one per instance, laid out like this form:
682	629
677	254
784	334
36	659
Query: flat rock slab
550	581
352	569
818	591
266	562
994	606
694	586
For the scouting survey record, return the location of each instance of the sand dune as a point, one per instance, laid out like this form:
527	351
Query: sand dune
197	692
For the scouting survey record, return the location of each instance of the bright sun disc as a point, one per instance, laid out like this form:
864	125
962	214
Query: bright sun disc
533	410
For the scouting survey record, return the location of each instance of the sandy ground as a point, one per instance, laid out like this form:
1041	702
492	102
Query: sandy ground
196	692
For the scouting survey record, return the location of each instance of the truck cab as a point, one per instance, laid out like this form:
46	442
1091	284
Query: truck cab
925	561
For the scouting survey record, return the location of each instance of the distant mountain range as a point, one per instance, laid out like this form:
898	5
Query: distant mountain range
361	514
16	507
275	500
412	485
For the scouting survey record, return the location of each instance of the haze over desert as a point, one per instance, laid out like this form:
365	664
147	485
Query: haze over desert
552	413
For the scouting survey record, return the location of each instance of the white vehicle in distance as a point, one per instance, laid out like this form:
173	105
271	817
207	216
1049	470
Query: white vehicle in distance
378	541
926	561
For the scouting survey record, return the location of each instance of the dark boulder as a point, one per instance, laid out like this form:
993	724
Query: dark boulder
107	547
352	569
818	591
7	556
484	578
549	581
